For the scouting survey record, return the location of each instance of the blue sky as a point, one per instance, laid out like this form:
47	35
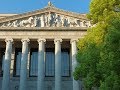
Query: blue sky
21	6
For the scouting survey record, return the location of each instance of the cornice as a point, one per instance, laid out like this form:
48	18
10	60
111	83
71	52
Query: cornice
44	29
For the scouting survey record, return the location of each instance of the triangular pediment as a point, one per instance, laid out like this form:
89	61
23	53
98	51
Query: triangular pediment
49	16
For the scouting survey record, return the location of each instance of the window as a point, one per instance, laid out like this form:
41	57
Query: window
65	62
50	63
34	62
2	57
17	65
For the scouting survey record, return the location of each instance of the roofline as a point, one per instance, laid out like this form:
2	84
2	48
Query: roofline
43	10
7	14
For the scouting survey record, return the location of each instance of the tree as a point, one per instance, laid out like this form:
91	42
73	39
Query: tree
103	10
110	58
99	52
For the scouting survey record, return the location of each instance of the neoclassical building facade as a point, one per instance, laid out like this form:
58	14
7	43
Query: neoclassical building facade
38	49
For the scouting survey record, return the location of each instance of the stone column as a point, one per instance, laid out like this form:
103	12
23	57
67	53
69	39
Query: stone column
57	64
7	60
23	70
74	63
40	78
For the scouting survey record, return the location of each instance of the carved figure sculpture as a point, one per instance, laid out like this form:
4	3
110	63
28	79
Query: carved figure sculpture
52	20
58	21
15	23
35	21
26	23
3	25
46	20
42	21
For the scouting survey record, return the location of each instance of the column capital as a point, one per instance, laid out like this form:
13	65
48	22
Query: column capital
8	40
40	40
57	39
72	40
26	39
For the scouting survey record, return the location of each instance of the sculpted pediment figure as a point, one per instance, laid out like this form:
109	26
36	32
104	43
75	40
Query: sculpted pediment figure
49	16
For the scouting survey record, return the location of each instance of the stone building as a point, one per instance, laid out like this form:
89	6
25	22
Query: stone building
38	49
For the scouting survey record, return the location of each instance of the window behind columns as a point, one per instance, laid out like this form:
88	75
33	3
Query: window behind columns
49	63
2	57
34	62
17	63
65	62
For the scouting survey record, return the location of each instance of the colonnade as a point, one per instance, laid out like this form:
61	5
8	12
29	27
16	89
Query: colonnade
40	78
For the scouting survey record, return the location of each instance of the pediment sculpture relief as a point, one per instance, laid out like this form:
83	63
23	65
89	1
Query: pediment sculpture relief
47	20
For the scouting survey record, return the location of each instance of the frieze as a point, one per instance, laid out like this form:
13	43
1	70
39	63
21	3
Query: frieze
47	20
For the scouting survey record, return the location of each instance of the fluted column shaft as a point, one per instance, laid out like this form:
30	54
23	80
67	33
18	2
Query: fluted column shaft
40	78
7	60
57	64
74	63
23	70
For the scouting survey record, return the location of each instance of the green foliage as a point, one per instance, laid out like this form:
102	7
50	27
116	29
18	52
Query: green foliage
112	82
99	52
103	10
